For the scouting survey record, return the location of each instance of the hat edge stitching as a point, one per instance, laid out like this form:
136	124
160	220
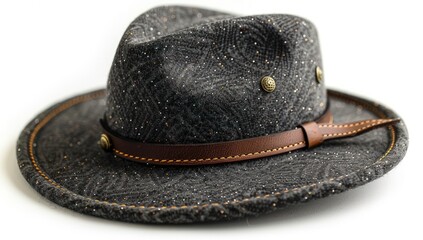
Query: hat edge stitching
101	93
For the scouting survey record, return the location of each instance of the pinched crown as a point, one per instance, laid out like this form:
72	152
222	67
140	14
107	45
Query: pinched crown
184	75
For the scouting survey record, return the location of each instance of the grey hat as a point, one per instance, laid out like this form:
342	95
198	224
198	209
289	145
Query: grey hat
208	116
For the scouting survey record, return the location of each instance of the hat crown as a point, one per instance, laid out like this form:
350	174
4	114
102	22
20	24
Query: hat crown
184	75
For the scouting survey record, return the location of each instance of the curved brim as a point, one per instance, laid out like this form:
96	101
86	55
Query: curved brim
59	156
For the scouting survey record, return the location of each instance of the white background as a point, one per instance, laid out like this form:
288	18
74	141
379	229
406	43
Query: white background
50	50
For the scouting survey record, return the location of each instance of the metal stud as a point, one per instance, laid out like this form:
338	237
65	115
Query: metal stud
105	142
268	84
319	74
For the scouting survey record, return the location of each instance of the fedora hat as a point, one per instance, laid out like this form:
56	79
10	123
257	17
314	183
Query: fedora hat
208	116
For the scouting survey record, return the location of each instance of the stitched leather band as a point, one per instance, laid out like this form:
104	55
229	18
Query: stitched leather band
308	135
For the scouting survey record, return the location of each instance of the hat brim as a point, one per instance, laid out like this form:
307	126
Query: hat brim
59	156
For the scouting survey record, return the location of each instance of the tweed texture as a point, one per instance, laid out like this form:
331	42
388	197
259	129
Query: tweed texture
75	173
187	75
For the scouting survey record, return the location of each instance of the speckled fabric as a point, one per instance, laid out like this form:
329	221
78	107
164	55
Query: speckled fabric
58	152
187	75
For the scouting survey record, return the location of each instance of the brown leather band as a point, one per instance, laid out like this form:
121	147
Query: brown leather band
308	134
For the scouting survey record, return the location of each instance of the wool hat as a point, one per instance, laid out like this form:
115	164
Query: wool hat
208	116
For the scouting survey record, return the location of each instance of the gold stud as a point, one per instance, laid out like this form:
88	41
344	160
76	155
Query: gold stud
319	74
105	142
268	84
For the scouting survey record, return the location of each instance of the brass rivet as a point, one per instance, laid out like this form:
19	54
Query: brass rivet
105	142
268	84
319	74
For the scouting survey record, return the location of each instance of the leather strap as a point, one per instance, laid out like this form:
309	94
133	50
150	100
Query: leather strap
308	135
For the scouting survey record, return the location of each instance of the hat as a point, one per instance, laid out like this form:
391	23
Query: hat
208	116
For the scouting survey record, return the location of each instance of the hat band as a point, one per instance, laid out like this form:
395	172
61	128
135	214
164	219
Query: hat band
307	135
